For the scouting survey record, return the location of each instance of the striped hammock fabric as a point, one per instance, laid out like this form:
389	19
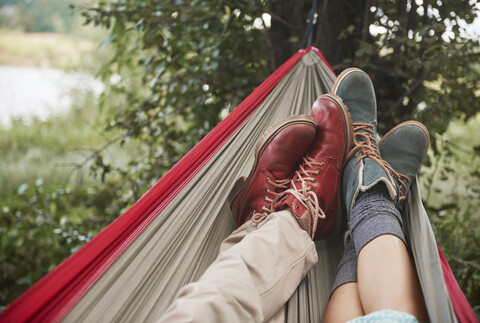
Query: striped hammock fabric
131	271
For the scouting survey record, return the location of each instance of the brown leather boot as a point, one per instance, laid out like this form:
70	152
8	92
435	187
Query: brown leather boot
277	155
313	195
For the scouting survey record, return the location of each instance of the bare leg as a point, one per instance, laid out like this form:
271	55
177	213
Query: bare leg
344	305
387	278
385	273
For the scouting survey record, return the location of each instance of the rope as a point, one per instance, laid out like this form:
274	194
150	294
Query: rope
311	20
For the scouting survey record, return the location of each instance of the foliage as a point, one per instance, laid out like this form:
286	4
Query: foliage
45	219
36	16
452	198
50	204
43	225
203	57
422	63
49	149
194	68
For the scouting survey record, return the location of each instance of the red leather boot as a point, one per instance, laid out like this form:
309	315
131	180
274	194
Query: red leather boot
313	196
277	155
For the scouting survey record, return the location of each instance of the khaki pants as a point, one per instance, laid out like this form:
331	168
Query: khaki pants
257	270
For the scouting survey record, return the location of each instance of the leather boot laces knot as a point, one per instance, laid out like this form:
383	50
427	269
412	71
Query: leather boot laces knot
366	146
304	193
281	184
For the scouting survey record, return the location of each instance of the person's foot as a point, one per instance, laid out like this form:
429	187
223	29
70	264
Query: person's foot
313	196
404	148
365	167
277	155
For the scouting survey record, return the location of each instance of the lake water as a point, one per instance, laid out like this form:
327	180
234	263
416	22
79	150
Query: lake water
27	92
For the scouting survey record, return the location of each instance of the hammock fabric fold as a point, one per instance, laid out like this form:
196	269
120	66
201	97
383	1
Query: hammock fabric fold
55	296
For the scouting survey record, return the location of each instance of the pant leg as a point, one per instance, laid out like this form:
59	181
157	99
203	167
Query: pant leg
257	270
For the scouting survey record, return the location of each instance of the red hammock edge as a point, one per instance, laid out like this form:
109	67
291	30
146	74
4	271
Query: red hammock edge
463	310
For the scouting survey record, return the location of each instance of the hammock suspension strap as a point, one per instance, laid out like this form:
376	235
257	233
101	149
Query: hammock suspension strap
311	21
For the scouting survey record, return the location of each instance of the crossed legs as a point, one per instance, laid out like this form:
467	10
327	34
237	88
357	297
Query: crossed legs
298	165
386	280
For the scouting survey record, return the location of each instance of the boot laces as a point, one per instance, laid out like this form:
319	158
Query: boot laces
304	194
366	146
279	185
402	180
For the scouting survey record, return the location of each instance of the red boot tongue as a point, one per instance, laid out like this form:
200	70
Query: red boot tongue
302	215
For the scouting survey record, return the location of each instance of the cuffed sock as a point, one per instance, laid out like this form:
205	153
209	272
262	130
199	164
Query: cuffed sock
373	215
347	268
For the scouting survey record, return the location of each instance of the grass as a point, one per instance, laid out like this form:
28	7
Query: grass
46	50
50	149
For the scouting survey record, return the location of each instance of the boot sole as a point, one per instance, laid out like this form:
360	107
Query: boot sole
348	126
263	142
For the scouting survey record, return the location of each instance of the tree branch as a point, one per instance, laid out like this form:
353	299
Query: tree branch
470	55
321	21
366	20
95	154
273	15
270	52
407	93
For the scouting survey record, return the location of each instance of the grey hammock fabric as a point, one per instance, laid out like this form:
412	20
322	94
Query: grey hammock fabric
181	242
420	236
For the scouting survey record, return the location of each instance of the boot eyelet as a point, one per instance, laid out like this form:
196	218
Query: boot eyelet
314	180
318	172
268	179
267	189
297	207
322	164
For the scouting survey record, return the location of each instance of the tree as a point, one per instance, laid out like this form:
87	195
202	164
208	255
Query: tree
200	58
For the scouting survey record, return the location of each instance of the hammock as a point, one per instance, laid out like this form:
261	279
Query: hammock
132	270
